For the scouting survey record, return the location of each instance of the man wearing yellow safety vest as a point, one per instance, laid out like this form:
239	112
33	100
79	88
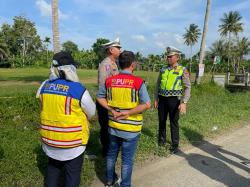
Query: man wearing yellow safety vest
66	107
125	97
171	96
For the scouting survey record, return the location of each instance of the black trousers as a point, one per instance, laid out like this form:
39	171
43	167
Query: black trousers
168	105
72	172
103	121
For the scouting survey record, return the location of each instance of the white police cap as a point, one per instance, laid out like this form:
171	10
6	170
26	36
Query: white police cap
115	43
172	51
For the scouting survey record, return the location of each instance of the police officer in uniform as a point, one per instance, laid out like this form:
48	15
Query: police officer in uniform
171	96
66	108
107	68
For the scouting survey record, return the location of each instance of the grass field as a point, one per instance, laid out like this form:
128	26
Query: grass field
22	162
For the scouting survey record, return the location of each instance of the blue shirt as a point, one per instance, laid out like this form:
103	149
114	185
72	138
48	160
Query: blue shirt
143	98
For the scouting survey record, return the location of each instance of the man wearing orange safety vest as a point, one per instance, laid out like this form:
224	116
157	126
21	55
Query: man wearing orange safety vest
66	107
125	97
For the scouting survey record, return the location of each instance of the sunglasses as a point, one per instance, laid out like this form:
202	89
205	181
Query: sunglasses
170	56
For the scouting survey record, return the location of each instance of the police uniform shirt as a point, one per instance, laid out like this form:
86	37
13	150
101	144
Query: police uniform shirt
106	69
185	81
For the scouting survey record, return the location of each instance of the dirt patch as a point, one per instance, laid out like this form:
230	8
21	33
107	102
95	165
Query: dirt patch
89	80
13	83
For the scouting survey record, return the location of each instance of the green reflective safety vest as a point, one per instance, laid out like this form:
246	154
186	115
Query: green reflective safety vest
171	81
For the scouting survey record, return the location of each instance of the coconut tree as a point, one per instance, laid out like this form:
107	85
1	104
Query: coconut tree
231	24
203	40
55	27
241	49
191	38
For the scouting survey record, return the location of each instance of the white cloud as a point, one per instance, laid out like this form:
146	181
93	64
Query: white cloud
179	39
164	39
45	9
161	39
139	38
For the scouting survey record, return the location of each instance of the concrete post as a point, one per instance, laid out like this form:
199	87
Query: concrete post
228	77
247	79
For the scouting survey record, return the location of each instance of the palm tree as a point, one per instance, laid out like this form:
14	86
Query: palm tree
191	37
203	40
55	27
241	49
230	25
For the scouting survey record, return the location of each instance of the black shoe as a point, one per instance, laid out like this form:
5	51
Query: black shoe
174	150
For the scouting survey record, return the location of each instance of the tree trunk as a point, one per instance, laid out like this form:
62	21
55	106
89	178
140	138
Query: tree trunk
229	50
203	40
47	54
190	64
55	27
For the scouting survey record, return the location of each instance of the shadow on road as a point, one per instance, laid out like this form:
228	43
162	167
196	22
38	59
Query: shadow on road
216	168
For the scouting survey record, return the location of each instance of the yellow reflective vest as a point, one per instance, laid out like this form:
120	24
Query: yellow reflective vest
63	123
123	94
171	81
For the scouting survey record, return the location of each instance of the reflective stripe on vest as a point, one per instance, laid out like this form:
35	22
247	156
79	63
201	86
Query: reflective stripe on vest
63	124
171	82
123	94
62	144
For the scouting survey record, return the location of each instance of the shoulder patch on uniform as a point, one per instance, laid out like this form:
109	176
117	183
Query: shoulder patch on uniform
107	67
186	73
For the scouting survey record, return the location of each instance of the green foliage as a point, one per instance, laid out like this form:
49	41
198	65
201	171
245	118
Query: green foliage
21	38
86	59
70	47
98	48
20	149
4	52
231	23
192	35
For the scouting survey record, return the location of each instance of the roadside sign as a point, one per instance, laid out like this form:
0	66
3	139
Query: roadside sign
217	59
201	69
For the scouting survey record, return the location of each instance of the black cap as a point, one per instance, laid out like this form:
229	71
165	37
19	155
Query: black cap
63	58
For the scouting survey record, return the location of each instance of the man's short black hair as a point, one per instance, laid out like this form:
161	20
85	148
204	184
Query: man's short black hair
126	58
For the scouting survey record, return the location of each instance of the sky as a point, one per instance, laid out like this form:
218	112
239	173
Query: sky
147	26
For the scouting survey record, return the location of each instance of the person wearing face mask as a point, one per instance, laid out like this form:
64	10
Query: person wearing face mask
171	96
66	108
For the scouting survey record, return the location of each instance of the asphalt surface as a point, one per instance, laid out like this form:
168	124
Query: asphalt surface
215	163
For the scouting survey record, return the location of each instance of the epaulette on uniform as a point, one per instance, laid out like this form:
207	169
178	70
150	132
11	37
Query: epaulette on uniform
163	69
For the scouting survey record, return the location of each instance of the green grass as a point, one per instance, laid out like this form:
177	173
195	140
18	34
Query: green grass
22	162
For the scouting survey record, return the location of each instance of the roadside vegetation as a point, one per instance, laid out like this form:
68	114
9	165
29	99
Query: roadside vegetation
212	111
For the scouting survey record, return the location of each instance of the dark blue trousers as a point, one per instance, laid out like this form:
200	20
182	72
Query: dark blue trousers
72	172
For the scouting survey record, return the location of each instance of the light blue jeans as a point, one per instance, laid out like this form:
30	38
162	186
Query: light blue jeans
128	148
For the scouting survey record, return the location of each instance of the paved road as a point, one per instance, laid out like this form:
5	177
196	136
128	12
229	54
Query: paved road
214	164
